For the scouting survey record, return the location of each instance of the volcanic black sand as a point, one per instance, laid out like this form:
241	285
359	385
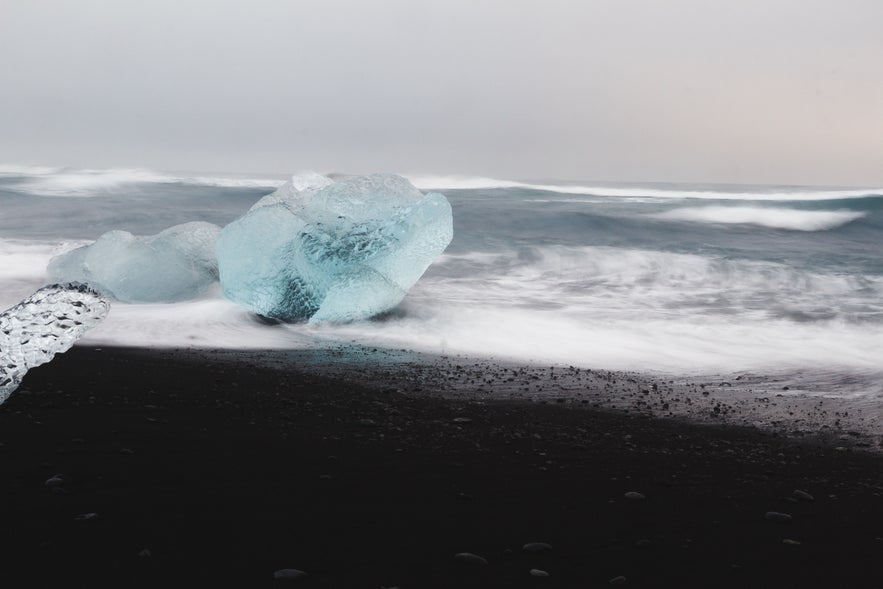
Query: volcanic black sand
180	472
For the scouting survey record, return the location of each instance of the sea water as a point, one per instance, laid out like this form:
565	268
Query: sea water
683	279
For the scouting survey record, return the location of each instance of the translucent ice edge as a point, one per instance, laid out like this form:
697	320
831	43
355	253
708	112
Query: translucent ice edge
46	323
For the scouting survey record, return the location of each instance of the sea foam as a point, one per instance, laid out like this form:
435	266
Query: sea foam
775	218
796	194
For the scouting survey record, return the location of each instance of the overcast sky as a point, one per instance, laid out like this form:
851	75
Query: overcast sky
749	91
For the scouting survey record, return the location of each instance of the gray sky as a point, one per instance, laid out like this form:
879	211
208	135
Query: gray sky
785	91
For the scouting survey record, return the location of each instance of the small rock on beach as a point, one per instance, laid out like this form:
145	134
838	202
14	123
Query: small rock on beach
289	575
469	558
778	517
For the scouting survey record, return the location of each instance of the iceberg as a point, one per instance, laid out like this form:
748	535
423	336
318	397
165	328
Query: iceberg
46	323
174	265
332	251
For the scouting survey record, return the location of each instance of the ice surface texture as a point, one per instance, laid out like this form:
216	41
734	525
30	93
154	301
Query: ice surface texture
332	251
176	264
44	324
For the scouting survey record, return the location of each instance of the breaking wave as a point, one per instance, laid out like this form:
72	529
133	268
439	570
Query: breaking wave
47	181
797	194
774	218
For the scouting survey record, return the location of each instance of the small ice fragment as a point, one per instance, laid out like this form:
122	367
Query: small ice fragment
46	323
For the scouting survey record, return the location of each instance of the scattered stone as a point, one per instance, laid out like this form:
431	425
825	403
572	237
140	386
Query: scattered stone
56	480
790	542
803	495
367	423
778	517
289	575
84	517
536	547
620	580
462	420
634	496
470	558
538	573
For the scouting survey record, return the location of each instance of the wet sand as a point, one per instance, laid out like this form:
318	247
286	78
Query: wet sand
204	471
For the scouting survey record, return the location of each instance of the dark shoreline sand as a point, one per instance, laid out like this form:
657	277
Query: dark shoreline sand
205	472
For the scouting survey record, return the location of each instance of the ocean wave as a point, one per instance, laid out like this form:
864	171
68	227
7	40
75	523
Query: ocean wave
775	218
47	181
25	170
482	183
590	306
84	183
233	182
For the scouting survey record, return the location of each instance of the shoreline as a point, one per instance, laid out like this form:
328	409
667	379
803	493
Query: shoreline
803	405
224	472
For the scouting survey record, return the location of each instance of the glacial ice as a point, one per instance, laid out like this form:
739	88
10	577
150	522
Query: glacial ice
332	251
46	323
174	265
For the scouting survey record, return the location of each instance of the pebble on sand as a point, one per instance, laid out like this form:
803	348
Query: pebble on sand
536	547
620	580
803	495
538	573
470	558
289	575
778	517
55	480
634	495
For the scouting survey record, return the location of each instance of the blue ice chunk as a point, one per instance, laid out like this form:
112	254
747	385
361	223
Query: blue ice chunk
46	323
174	265
333	251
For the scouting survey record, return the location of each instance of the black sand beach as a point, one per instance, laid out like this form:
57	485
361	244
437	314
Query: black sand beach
205	473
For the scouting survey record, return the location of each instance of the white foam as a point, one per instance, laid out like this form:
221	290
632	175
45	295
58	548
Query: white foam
49	181
592	307
25	170
233	182
776	218
23	269
84	183
46	181
479	183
